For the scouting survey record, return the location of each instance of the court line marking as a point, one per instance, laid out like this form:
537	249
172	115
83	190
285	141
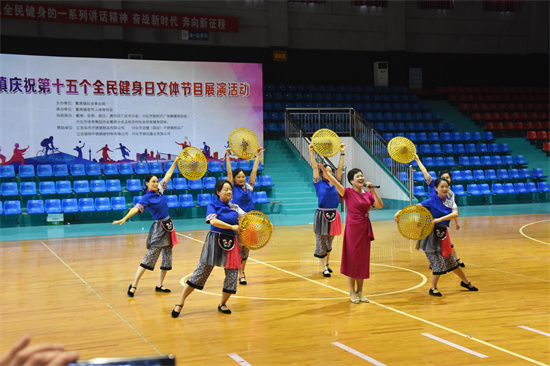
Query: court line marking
358	354
414	317
534	330
239	359
527	236
480	355
102	299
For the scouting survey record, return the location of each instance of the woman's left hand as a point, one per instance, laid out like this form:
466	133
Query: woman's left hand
370	187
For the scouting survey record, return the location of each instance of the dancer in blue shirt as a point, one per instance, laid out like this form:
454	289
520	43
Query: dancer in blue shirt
243	196
326	224
220	248
162	235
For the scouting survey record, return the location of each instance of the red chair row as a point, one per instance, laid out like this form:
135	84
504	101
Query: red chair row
535	136
506	107
517	126
497	98
505	116
546	148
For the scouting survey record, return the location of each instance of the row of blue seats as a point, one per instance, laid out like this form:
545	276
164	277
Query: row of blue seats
394	89
461	149
469	161
496	188
340	97
110	185
432	136
488	174
403	107
94	169
73	205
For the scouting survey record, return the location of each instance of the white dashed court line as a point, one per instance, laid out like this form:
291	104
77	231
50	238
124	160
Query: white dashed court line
358	354
534	330
480	355
239	359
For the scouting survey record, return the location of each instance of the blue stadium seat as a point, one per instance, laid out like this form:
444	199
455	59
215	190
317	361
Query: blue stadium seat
419	191
110	169
195	184
133	185
458	190
485	190
209	182
425	149
476	136
464	161
496	160
203	199
520	160
492	148
86	204
7	171
457	175
531	187
244	165
93	169
422	137
475	161
502	174
60	170
459	149
126	168
488	136
538	173
102	204
113	185
118	203
456	136
524	173
136	199
448	149
497	188
507	160
467	175
265	180
172	200
482	148
44	170
28	188
46	187
436	149
35	207
98	186
450	161
26	171
81	186
543	187
141	168
509	188
186	200
214	166
479	174
473	190
155	167
180	184
9	189
439	161
12	208
411	136
69	205
503	147
261	197
434	137
63	187
520	187
486	160
490	174
78	170
445	136
428	161
470	148
513	174
53	205
418	176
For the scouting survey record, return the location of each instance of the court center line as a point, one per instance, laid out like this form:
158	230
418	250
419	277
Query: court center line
358	354
480	355
405	314
528	237
534	330
102	299
239	359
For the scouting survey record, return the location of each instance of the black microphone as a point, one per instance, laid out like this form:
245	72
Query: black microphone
371	186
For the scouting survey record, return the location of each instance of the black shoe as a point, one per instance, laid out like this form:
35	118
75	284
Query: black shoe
435	292
225	311
326	273
130	293
242	280
328	268
469	286
162	289
461	263
175	313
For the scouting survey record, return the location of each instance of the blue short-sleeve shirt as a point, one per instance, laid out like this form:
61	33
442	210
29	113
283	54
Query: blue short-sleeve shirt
226	212
243	196
155	203
326	193
439	208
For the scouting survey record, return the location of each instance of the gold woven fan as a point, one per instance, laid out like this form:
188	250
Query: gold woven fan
243	143
193	163
415	222
401	149
326	142
255	230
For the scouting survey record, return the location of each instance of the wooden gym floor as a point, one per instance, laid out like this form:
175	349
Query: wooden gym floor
73	291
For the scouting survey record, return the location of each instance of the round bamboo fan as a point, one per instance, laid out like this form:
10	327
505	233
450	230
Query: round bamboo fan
415	222
401	149
243	143
326	142
193	163
255	230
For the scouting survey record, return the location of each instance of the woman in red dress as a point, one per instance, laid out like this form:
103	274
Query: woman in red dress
358	231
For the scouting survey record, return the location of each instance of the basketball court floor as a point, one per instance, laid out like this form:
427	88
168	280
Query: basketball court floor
68	285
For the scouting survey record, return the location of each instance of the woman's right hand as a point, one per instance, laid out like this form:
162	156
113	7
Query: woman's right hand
310	147
122	221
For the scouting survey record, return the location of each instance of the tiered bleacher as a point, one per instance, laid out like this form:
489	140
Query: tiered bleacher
75	188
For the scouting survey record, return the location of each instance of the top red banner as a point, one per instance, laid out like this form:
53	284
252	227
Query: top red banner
116	17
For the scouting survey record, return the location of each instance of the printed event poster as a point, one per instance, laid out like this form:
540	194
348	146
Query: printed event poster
80	110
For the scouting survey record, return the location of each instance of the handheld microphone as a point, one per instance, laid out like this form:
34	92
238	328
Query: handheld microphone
371	186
